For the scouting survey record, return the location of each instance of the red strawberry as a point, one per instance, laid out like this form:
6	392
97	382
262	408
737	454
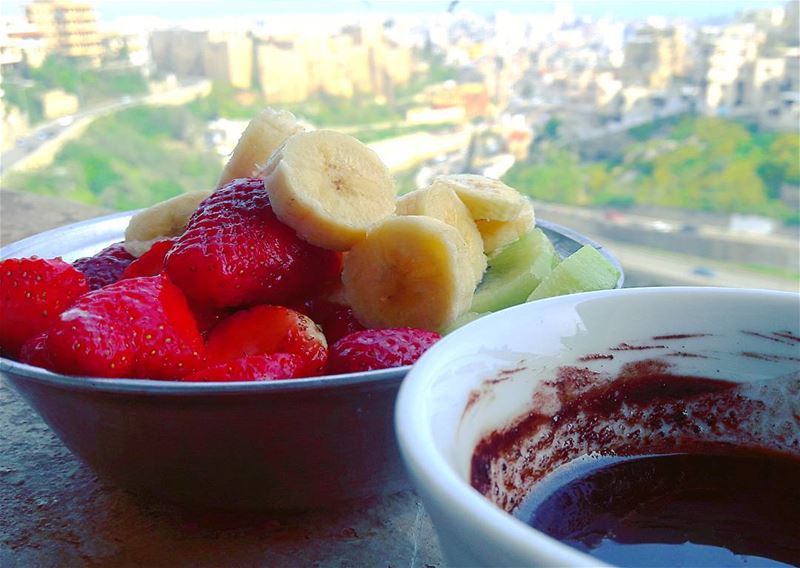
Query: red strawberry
105	267
140	327
33	292
35	353
251	368
379	349
336	320
267	330
207	317
235	252
151	262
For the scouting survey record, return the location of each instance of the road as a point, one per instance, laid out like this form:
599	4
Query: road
648	266
48	131
29	144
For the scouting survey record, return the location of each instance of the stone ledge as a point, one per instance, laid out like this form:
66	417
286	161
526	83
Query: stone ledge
25	214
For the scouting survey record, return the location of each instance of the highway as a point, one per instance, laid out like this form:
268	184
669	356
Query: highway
54	129
49	130
647	265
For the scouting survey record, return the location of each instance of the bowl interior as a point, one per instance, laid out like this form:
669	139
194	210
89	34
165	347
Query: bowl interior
485	375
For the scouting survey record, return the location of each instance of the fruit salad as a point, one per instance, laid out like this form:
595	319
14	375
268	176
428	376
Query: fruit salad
302	262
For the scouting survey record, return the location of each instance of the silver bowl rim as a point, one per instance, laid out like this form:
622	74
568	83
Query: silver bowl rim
157	387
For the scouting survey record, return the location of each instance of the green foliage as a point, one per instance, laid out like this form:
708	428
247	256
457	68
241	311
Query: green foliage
326	111
132	159
368	135
557	177
222	103
89	84
551	128
24	98
708	164
321	110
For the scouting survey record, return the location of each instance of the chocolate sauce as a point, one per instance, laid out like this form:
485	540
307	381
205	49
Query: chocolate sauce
684	470
675	510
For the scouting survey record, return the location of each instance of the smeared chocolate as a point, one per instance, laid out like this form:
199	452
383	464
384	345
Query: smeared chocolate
645	408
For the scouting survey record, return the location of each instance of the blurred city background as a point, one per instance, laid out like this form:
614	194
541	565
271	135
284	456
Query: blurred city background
668	131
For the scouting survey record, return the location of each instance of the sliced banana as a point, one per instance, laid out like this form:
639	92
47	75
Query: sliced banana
165	219
441	202
329	187
497	234
259	140
410	271
486	198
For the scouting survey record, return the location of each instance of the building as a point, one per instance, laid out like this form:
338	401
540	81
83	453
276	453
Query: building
228	58
179	51
359	60
68	28
727	73
654	57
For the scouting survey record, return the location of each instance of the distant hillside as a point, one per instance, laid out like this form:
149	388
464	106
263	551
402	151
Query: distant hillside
131	159
708	164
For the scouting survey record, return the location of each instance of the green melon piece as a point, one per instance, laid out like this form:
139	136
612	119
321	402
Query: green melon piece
462	320
583	271
514	271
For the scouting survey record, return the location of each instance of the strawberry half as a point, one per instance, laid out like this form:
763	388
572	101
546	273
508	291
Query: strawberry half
106	267
33	292
336	320
140	327
235	252
373	349
251	368
151	262
265	330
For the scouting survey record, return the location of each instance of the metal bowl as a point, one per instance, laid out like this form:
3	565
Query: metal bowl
295	444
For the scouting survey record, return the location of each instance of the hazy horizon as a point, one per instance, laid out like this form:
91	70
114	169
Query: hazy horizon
186	10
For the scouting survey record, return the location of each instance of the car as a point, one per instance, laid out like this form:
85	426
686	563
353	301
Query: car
661	226
704	271
65	121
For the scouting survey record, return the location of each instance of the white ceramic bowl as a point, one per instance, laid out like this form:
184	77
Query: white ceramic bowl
439	423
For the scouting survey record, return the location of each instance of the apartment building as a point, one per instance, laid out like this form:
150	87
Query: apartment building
68	28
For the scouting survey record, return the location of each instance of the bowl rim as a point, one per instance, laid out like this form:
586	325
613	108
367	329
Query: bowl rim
456	495
153	387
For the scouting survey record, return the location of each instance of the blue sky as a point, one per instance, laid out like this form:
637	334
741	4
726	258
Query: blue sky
621	9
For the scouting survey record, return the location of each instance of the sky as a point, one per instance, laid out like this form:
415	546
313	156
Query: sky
177	10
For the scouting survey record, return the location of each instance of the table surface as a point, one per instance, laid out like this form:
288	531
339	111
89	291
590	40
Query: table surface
55	512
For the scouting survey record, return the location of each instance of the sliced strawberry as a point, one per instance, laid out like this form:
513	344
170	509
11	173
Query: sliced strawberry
251	368
336	320
33	292
379	349
235	252
35	352
151	262
139	327
264	330
207	317
106	267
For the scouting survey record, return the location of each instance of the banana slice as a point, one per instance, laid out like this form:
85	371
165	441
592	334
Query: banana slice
441	202
165	219
497	234
486	198
329	187
259	140
410	271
